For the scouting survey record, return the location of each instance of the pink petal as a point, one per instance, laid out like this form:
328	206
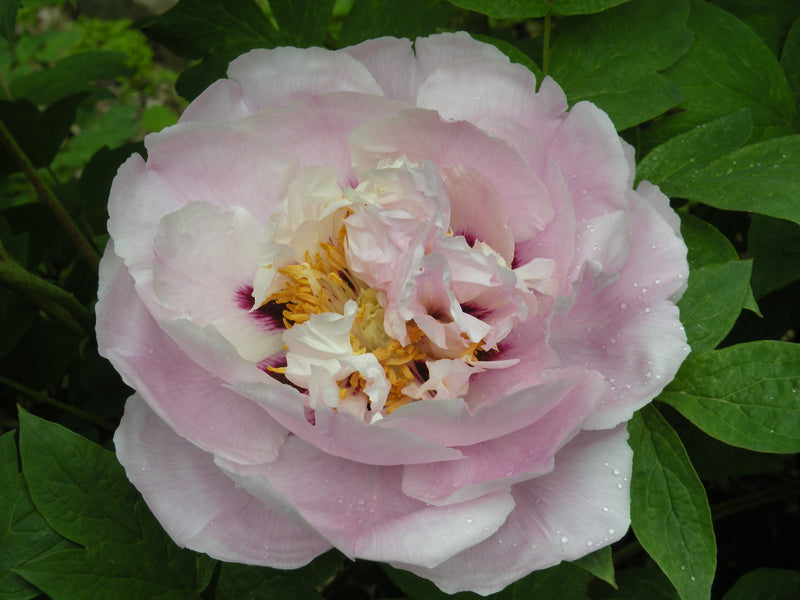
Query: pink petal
223	164
592	159
186	396
477	211
343	435
441	51
203	509
471	91
422	135
205	261
316	130
363	512
504	460
636	341
392	63
221	101
451	423
581	505
280	76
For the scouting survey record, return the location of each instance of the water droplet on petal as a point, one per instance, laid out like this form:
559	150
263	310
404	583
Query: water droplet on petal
623	305
616	471
611	530
564	539
469	519
606	509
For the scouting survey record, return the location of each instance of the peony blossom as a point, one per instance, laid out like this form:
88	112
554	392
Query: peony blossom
393	300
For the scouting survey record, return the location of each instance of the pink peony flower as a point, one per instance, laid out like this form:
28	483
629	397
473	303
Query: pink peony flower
390	300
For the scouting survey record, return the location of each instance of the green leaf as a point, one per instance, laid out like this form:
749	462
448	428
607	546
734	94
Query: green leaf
770	19
745	395
517	9
727	68
198	28
565	581
418	588
39	135
83	493
303	22
70	75
245	581
669	510
707	246
599	564
774	245
612	59
712	302
765	584
762	178
24	534
16	316
790	58
687	152
640	584
715	460
8	17
375	18
216	31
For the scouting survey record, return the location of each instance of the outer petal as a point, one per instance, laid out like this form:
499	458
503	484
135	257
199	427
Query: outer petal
187	397
440	51
392	63
594	163
362	511
629	328
203	509
504	460
277	77
221	101
582	504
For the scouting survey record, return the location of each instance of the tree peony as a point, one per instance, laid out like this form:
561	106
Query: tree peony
390	300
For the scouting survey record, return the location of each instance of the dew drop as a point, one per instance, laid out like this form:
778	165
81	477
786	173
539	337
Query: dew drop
693	578
648	374
590	544
564	539
605	463
623	305
144	468
644	290
619	486
611	531
657	281
606	509
469	519
616	471
683	567
648	309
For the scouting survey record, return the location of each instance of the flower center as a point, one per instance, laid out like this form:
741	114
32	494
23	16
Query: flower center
323	283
